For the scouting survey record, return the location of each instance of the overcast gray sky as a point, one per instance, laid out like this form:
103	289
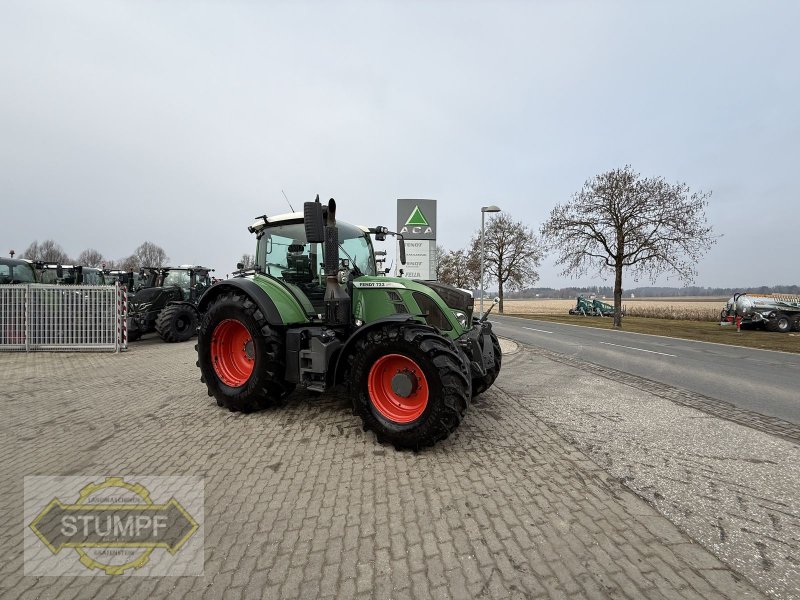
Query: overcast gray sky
177	122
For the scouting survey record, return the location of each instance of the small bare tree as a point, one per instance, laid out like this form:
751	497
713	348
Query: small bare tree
151	255
90	258
512	254
455	270
622	221
129	263
440	257
248	260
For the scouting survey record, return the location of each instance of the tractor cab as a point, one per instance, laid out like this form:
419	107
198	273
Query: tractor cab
284	253
192	280
14	271
56	274
69	274
126	278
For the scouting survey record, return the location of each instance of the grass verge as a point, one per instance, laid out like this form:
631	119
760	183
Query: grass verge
687	330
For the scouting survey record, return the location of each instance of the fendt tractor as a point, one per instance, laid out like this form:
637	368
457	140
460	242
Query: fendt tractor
165	300
775	312
315	313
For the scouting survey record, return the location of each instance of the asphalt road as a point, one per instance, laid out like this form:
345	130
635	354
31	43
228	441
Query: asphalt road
758	380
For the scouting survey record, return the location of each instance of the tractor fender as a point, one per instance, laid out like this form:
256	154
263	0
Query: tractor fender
250	289
338	375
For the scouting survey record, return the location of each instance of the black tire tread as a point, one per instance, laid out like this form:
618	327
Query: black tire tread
439	352
773	324
269	387
165	320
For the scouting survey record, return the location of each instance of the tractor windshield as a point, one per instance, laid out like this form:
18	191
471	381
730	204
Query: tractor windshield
283	252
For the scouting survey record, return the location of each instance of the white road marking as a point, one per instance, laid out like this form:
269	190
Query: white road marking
539	330
639	349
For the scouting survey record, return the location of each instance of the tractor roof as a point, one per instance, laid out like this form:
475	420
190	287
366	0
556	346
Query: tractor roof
264	221
178	268
13	262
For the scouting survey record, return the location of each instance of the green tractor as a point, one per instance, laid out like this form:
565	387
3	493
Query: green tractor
17	271
53	273
315	313
591	307
165	300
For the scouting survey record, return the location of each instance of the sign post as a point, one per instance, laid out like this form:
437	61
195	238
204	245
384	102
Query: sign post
416	221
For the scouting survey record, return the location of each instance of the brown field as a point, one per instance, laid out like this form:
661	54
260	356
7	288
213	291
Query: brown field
684	309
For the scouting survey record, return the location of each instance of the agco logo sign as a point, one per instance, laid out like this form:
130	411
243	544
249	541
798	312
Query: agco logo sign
416	223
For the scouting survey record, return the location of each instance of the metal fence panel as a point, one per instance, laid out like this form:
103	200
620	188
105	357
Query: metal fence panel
60	317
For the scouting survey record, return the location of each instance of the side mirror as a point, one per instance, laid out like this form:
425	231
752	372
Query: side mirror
314	222
239	266
59	271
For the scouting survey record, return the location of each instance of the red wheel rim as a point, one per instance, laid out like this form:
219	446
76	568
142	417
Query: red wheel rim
398	388
232	352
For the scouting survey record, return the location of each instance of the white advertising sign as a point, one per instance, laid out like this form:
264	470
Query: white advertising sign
420	258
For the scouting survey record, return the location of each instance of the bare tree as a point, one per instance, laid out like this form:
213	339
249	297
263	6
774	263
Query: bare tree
622	221
512	254
440	257
455	270
129	263
248	260
90	258
48	251
31	252
151	255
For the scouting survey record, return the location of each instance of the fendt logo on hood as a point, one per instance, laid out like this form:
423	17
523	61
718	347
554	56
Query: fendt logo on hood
417	219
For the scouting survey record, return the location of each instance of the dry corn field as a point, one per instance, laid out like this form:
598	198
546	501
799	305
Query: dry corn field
657	308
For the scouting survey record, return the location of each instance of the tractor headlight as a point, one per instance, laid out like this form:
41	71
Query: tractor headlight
462	318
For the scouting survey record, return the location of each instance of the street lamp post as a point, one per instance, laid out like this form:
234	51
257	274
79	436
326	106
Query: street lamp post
484	210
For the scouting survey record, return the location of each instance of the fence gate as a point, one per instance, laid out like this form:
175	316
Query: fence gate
63	317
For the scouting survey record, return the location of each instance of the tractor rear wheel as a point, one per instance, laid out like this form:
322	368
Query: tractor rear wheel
481	384
241	358
410	384
177	323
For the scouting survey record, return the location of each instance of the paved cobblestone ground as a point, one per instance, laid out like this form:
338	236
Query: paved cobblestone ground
301	503
735	489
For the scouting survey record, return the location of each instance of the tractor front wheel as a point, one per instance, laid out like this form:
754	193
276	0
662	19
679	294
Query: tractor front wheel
241	358
481	384
410	384
177	323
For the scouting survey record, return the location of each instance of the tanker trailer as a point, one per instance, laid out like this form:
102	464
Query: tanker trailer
776	312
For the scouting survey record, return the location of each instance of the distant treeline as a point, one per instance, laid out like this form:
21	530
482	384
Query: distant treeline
652	292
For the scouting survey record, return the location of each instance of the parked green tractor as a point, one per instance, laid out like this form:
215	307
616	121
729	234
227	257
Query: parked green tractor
315	313
166	301
591	307
52	273
16	271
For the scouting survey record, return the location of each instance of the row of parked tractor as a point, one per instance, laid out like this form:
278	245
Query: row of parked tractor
160	299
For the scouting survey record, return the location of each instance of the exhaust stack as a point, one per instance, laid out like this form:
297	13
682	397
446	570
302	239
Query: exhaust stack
337	302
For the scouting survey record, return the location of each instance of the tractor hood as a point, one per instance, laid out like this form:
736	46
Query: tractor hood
445	307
